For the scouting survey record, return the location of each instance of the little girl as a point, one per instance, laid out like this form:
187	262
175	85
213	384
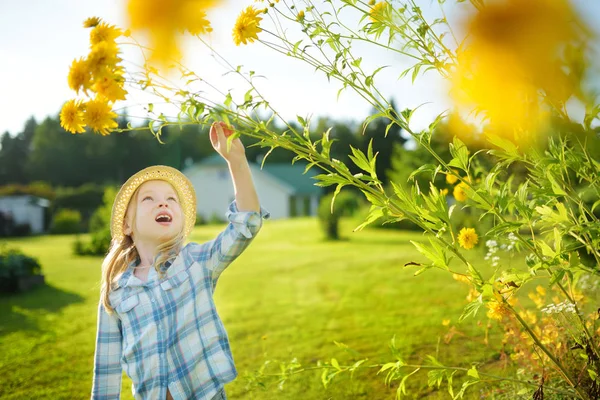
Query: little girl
156	316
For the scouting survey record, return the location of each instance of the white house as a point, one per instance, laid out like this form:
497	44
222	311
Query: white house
25	209
282	188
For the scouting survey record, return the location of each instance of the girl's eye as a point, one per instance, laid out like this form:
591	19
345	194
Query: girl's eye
147	197
172	198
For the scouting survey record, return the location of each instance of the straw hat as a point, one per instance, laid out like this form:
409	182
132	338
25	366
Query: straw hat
183	186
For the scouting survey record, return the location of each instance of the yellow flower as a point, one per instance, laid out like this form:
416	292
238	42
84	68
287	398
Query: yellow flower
110	87
377	12
461	278
459	192
247	26
451	179
104	33
540	290
300	16
446	322
444	192
496	310
103	55
512	55
71	117
99	116
473	294
196	23
467	238
91	22
79	75
164	19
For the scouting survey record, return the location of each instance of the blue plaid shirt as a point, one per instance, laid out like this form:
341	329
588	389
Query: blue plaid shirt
166	332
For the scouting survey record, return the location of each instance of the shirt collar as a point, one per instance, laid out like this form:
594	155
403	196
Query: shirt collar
171	267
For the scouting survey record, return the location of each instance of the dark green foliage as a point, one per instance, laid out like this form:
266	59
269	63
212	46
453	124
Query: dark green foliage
14	266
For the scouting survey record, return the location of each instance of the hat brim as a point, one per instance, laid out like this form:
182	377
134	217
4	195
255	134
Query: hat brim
181	184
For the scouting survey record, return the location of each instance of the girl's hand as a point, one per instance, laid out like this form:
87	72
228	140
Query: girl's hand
219	132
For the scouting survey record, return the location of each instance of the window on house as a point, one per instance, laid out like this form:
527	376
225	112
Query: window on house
292	206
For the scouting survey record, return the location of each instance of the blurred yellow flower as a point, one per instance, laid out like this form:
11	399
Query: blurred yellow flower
467	238
444	192
538	300
446	322
71	117
300	16
473	294
104	55
164	19
79	75
513	53
461	278
91	22
540	290
104	33
496	310
110	87
377	12
451	179
459	192
247	26
197	23
99	116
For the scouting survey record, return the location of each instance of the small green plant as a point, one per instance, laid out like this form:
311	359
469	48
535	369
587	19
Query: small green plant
66	221
15	266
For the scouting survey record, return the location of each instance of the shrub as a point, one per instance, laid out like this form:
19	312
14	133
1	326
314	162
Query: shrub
346	204
15	265
99	228
66	221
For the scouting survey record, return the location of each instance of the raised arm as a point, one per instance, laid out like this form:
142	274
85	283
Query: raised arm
107	358
218	253
245	214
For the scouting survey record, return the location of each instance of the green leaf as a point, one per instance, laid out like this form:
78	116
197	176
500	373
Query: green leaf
337	191
228	100
434	253
473	372
470	309
375	213
460	154
360	160
335	364
509	147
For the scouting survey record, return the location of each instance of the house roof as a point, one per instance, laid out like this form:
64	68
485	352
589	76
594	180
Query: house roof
293	176
290	174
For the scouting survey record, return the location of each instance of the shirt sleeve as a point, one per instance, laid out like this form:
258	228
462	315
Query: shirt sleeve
107	359
218	253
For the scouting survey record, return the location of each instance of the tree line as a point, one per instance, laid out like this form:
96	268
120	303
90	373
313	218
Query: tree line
45	152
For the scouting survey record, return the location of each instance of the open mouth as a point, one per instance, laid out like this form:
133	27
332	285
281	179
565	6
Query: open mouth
163	219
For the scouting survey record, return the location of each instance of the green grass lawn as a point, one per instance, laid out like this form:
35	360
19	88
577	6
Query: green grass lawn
291	294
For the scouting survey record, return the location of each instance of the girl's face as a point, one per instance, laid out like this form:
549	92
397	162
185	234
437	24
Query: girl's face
158	214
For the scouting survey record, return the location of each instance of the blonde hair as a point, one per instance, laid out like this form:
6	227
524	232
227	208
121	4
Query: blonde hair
122	253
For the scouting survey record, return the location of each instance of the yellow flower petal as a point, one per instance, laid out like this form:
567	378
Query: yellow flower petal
104	33
91	22
99	116
459	192
71	117
467	238
79	75
247	26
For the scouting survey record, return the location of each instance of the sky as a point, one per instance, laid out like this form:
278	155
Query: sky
39	39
